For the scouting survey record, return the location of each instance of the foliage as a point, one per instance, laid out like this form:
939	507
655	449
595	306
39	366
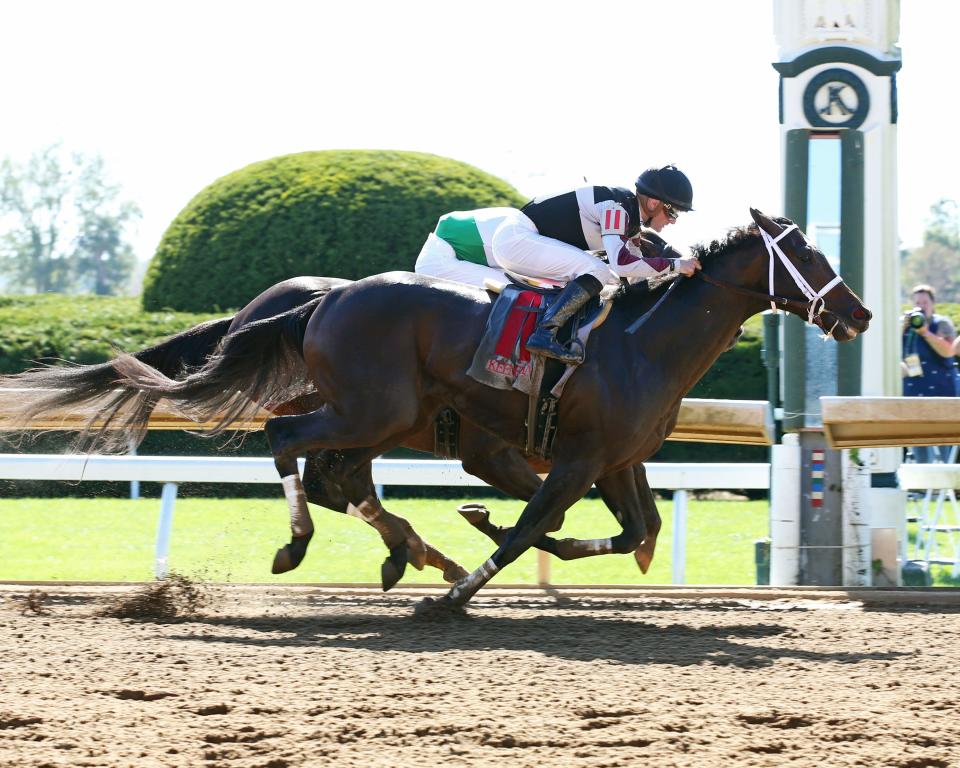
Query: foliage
937	261
85	329
63	226
335	213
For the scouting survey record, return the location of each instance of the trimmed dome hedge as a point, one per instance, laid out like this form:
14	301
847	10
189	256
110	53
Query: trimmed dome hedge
333	213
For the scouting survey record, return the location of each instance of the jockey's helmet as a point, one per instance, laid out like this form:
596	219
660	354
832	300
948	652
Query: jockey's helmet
668	184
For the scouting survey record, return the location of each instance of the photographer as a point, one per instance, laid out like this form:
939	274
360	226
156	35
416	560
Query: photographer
927	362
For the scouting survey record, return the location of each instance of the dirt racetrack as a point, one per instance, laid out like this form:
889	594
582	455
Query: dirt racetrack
301	676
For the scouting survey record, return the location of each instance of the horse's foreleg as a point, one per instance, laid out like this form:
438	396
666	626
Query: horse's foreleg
503	467
479	517
622	492
562	488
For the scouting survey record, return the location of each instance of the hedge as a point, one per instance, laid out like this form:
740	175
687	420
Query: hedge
335	213
81	329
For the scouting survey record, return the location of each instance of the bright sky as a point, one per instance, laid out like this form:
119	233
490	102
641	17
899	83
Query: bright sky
175	94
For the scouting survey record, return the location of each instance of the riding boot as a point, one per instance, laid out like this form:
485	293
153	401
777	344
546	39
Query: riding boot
543	341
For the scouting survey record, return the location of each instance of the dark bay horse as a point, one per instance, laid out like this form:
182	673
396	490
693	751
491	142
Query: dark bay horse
95	389
384	354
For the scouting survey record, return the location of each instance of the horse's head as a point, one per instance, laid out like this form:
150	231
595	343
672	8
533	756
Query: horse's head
801	273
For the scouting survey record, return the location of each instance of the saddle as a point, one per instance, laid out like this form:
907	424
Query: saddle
502	360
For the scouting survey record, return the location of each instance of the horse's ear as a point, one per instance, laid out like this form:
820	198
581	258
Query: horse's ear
765	223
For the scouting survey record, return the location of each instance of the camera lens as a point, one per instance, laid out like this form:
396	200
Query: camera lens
917	319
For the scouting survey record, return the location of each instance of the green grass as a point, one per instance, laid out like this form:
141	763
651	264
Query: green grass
234	540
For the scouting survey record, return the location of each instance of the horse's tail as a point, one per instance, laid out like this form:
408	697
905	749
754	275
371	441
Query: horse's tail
95	392
260	363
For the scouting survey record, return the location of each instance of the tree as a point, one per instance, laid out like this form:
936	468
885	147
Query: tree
944	225
937	261
102	260
62	225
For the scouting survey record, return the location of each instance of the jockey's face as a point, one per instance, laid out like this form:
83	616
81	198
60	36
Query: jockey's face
656	214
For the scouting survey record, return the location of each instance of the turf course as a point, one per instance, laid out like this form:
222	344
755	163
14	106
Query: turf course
234	540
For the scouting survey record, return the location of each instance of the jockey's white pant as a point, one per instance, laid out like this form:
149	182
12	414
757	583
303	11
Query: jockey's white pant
519	248
438	259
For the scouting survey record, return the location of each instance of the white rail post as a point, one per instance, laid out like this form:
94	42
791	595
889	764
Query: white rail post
165	525
680	537
785	512
857	557
134	484
543	568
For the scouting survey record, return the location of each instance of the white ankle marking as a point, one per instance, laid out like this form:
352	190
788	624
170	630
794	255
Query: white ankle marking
300	522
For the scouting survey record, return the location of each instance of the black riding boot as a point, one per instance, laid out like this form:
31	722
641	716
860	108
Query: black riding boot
543	341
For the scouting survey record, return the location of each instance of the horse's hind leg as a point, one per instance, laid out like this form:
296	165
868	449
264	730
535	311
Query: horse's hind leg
298	435
316	489
397	533
343	481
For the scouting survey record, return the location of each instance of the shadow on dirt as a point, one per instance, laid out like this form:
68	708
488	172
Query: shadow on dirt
578	633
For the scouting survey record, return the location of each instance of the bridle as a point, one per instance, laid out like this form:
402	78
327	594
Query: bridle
815	304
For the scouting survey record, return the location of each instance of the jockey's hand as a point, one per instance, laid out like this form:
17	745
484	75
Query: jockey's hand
687	265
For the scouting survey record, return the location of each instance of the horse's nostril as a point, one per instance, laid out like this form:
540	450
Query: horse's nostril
861	314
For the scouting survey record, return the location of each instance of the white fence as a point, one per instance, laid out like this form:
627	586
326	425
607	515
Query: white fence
172	470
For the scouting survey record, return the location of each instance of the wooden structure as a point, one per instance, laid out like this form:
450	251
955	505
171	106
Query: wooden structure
868	422
701	420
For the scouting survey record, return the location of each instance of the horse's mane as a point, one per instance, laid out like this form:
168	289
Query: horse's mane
639	298
735	237
717	248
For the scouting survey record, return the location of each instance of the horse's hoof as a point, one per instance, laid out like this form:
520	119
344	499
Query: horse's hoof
644	557
281	561
393	567
292	554
474	513
444	608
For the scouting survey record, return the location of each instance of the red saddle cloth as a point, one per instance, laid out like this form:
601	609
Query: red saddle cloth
510	356
502	360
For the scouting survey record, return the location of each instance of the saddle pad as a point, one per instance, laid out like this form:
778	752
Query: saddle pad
502	360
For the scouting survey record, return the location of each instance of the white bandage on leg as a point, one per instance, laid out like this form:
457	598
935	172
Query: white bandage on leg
300	522
472	582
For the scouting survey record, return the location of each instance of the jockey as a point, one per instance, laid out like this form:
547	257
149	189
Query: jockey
459	248
550	238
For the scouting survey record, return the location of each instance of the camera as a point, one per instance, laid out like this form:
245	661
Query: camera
916	318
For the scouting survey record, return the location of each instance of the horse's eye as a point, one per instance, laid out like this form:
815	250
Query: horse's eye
805	255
